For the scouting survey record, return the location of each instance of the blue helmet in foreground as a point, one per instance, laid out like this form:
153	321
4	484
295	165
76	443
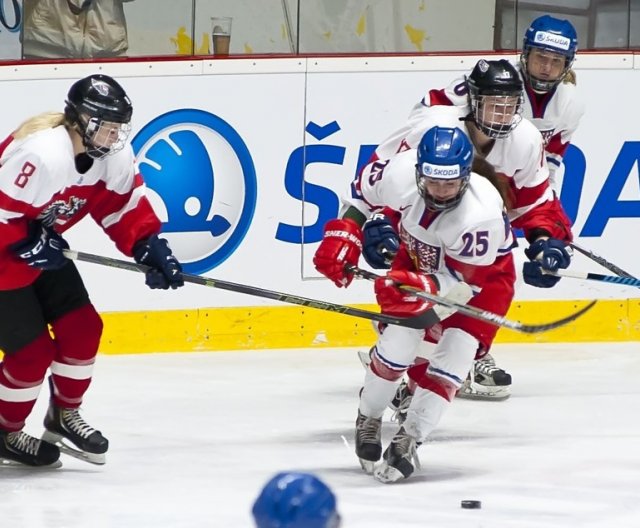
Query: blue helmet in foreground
296	500
444	154
553	35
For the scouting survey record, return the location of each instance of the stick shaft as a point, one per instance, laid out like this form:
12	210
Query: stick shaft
602	261
627	281
425	320
476	313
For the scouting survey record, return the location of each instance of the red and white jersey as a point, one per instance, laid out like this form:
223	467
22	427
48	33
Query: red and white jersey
471	242
518	159
555	114
39	181
462	240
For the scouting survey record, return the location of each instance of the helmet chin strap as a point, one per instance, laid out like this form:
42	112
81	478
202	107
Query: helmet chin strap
90	149
541	86
97	153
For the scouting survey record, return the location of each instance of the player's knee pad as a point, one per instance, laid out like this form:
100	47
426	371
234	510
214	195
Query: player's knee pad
449	363
396	349
77	334
424	376
385	369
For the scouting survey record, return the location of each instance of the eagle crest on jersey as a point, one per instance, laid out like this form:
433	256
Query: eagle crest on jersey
425	257
547	135
60	212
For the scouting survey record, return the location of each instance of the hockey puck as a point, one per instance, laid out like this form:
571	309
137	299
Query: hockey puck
471	504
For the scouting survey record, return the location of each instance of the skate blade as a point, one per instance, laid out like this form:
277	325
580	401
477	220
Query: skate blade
484	396
98	459
364	358
6	463
367	465
387	474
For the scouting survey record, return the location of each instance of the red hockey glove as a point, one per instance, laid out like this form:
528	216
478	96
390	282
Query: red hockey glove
394	301
342	244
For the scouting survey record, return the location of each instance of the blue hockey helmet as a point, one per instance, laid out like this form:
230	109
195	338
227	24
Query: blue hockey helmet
296	500
443	154
552	35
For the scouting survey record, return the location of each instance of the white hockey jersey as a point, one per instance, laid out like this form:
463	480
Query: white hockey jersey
472	234
555	114
519	157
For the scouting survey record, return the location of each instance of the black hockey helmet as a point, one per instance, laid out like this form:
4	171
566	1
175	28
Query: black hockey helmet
96	105
495	97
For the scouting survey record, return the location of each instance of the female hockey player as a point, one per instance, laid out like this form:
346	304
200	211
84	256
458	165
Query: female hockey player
452	228
55	169
551	101
516	149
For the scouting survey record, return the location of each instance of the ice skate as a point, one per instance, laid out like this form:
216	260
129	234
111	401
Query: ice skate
66	429
399	459
486	381
400	403
368	441
18	449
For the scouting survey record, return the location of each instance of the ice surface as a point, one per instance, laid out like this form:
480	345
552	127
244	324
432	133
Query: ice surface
195	436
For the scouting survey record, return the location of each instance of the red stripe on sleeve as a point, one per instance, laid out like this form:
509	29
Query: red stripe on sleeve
556	146
438	97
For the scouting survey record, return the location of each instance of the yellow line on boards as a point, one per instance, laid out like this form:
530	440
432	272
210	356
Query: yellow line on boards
249	328
265	327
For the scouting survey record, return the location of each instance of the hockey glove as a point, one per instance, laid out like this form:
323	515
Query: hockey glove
42	248
341	245
552	253
166	271
394	301
381	242
533	275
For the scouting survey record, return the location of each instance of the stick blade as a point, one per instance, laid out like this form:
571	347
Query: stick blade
536	329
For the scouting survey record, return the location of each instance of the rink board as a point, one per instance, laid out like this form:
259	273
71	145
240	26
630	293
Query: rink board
246	159
250	328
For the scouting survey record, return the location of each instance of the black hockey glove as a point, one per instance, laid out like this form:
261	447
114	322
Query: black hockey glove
546	255
42	247
550	252
166	271
380	242
533	275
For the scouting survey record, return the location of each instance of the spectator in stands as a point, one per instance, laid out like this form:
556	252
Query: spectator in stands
74	29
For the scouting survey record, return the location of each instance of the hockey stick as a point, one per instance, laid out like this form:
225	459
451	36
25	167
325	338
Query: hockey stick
602	261
627	281
481	315
422	321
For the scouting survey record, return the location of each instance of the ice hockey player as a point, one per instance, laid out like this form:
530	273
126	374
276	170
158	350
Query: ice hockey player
551	99
452	228
490	102
55	169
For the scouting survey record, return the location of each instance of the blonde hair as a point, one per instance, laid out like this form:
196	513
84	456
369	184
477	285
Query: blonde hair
39	122
570	77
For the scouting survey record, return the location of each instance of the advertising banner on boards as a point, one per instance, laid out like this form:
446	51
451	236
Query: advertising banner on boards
245	165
